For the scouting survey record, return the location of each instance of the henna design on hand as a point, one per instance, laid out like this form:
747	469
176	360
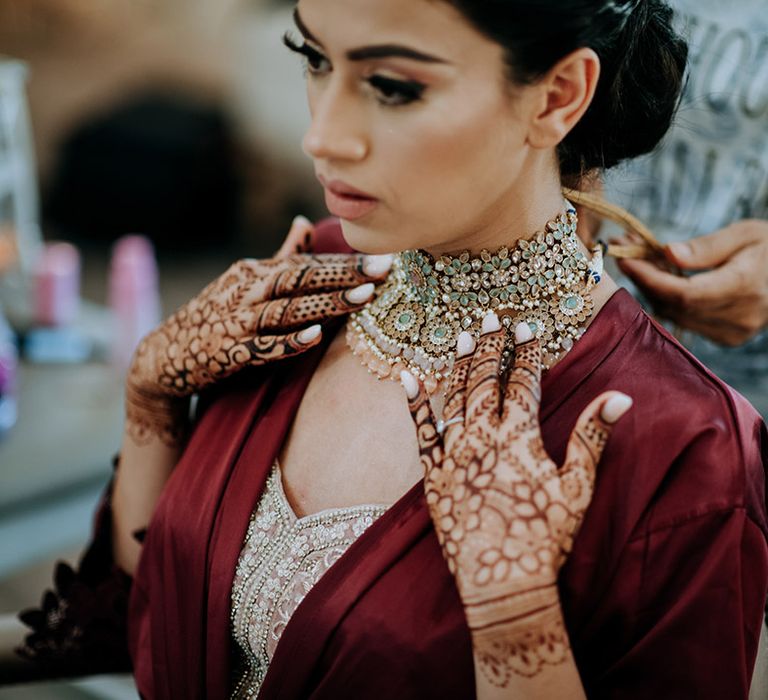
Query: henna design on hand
249	316
504	514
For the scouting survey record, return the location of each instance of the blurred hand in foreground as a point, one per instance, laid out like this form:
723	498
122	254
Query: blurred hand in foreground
726	300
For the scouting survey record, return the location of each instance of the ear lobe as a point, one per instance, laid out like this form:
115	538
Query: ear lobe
567	90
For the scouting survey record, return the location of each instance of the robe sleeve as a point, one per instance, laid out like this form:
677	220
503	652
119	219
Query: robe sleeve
700	597
80	627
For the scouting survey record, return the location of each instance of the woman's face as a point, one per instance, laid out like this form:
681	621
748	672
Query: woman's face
411	107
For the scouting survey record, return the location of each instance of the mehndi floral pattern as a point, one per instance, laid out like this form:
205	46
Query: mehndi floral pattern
251	315
504	514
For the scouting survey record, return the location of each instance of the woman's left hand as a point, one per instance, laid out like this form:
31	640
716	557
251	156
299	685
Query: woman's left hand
505	515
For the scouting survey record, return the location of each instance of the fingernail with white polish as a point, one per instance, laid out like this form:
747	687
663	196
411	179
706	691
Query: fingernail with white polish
490	323
377	265
523	332
410	384
361	294
465	345
309	334
615	408
302	221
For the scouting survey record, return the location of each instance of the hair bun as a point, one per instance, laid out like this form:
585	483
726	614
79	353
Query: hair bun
642	70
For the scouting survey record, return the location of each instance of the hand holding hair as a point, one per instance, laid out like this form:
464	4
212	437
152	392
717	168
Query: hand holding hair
504	514
727	301
258	311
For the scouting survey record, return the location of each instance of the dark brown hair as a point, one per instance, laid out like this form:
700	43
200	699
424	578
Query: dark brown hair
642	62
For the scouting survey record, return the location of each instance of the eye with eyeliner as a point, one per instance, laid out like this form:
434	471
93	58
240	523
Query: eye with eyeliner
312	57
396	92
389	91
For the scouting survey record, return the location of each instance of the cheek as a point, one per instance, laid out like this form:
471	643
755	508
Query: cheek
447	171
441	170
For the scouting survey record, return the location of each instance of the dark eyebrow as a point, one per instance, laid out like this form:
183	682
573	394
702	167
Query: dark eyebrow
368	52
303	27
390	50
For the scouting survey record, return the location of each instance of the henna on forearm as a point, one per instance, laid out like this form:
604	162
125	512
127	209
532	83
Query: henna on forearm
250	316
524	644
149	417
504	514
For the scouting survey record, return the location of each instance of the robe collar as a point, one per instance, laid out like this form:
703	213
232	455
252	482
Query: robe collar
315	619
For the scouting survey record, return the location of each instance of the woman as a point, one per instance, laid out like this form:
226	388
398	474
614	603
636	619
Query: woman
440	127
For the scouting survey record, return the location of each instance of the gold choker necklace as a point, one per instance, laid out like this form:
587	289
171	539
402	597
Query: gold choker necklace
415	317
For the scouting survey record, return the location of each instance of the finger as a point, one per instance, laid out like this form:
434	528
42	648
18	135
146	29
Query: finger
299	238
722	286
314	273
430	443
656	282
666	287
706	290
522	394
455	395
269	348
483	387
290	312
586	446
712	250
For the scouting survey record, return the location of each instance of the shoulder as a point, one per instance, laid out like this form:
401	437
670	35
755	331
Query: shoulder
714	440
691	397
691	444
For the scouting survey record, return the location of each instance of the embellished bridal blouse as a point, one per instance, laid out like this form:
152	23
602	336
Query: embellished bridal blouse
282	558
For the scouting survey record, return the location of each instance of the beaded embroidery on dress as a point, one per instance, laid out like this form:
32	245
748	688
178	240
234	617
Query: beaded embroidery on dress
282	558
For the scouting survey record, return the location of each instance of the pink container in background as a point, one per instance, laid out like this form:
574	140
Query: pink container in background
133	295
57	285
8	377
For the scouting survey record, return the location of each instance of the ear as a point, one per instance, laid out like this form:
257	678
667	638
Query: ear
565	92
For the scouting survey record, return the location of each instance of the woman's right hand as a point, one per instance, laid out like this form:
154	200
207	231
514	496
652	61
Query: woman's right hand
258	311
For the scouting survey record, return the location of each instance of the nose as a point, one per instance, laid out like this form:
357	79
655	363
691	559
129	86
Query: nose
335	133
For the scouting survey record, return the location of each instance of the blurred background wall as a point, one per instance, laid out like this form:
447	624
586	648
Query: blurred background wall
177	119
191	97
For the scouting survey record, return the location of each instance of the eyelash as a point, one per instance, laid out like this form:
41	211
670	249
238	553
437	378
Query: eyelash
391	92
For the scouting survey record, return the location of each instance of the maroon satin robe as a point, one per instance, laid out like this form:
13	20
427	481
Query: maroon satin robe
663	593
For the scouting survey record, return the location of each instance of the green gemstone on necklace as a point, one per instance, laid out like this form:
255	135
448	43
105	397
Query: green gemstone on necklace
544	280
572	302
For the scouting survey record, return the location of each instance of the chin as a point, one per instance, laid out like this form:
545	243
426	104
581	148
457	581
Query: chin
370	241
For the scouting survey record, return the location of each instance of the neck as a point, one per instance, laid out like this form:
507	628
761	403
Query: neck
519	216
415	320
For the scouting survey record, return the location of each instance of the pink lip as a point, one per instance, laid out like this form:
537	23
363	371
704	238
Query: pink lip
345	201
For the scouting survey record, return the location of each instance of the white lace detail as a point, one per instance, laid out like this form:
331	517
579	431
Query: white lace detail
282	558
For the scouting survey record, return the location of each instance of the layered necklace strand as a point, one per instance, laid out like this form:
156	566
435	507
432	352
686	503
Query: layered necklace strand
414	320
